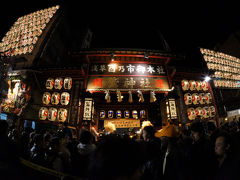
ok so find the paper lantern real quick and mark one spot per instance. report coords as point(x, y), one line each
point(212, 111)
point(205, 85)
point(188, 98)
point(46, 98)
point(67, 83)
point(191, 113)
point(202, 98)
point(142, 114)
point(55, 98)
point(58, 83)
point(199, 85)
point(205, 112)
point(135, 114)
point(52, 114)
point(198, 111)
point(185, 85)
point(110, 114)
point(62, 115)
point(49, 83)
point(126, 114)
point(208, 98)
point(192, 85)
point(102, 114)
point(43, 113)
point(195, 98)
point(65, 98)
point(118, 114)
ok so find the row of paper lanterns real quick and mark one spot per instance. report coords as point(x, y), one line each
point(55, 98)
point(225, 83)
point(221, 61)
point(59, 83)
point(194, 85)
point(125, 114)
point(195, 98)
point(53, 114)
point(220, 67)
point(225, 75)
point(204, 112)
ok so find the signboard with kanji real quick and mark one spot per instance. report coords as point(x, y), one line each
point(123, 123)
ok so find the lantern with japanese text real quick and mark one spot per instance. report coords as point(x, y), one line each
point(135, 114)
point(205, 112)
point(118, 114)
point(126, 114)
point(195, 98)
point(212, 111)
point(142, 114)
point(65, 96)
point(192, 85)
point(199, 85)
point(58, 83)
point(204, 85)
point(102, 114)
point(188, 98)
point(110, 114)
point(46, 98)
point(52, 114)
point(208, 98)
point(43, 113)
point(202, 98)
point(185, 85)
point(49, 83)
point(67, 83)
point(62, 115)
point(191, 113)
point(198, 112)
point(55, 98)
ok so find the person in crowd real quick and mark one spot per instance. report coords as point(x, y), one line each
point(67, 130)
point(227, 165)
point(116, 158)
point(86, 145)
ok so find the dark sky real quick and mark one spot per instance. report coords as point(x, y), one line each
point(183, 24)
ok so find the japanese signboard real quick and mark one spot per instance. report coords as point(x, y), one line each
point(88, 109)
point(123, 123)
point(106, 82)
point(127, 69)
point(173, 110)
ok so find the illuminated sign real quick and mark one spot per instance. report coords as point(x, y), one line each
point(88, 109)
point(123, 123)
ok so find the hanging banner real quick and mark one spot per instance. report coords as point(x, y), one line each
point(100, 82)
point(123, 123)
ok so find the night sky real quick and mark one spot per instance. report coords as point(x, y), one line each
point(140, 24)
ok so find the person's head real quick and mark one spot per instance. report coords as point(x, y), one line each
point(148, 133)
point(3, 128)
point(64, 138)
point(197, 130)
point(211, 127)
point(65, 124)
point(86, 137)
point(54, 144)
point(222, 145)
point(38, 140)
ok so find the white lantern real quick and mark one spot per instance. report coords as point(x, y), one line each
point(187, 98)
point(67, 83)
point(212, 111)
point(134, 114)
point(46, 98)
point(43, 113)
point(208, 98)
point(195, 98)
point(202, 98)
point(118, 114)
point(110, 114)
point(55, 98)
point(204, 85)
point(205, 112)
point(49, 83)
point(102, 114)
point(198, 111)
point(52, 114)
point(58, 83)
point(62, 115)
point(126, 114)
point(191, 113)
point(199, 85)
point(192, 85)
point(65, 97)
point(142, 114)
point(185, 85)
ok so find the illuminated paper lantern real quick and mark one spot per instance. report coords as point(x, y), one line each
point(67, 83)
point(142, 114)
point(46, 98)
point(49, 83)
point(205, 85)
point(185, 85)
point(195, 98)
point(65, 98)
point(212, 111)
point(58, 83)
point(43, 113)
point(192, 85)
point(62, 115)
point(55, 98)
point(188, 98)
point(110, 114)
point(126, 114)
point(118, 114)
point(205, 112)
point(191, 113)
point(52, 114)
point(198, 111)
point(135, 114)
point(208, 98)
point(199, 85)
point(102, 114)
point(202, 98)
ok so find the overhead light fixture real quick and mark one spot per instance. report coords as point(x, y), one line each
point(207, 78)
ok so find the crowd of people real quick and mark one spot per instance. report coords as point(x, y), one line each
point(201, 151)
